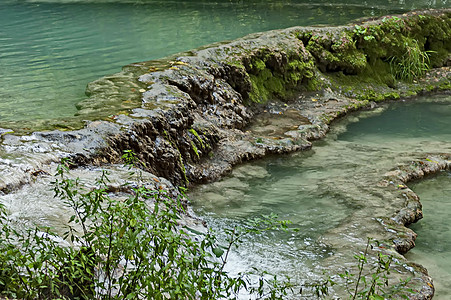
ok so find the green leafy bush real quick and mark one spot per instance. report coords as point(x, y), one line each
point(132, 248)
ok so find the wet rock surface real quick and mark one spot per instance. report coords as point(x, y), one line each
point(411, 212)
point(192, 117)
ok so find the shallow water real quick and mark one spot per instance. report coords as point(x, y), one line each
point(50, 50)
point(276, 186)
point(433, 245)
point(321, 189)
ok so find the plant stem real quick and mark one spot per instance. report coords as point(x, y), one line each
point(361, 264)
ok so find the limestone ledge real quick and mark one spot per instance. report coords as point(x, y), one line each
point(195, 105)
point(411, 210)
point(401, 238)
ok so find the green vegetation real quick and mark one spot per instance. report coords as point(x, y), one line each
point(183, 169)
point(373, 285)
point(371, 281)
point(199, 139)
point(196, 151)
point(381, 60)
point(277, 74)
point(198, 145)
point(412, 65)
point(132, 248)
point(336, 53)
point(363, 31)
point(136, 248)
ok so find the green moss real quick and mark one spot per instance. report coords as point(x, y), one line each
point(182, 166)
point(259, 65)
point(355, 59)
point(337, 53)
point(265, 85)
point(313, 84)
point(363, 62)
point(271, 80)
point(392, 95)
point(235, 63)
point(369, 94)
point(298, 70)
point(430, 88)
point(371, 85)
point(411, 93)
point(378, 72)
point(357, 105)
point(316, 48)
point(201, 141)
point(196, 151)
point(445, 86)
point(438, 52)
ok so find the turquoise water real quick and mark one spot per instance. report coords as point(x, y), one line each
point(404, 120)
point(293, 189)
point(329, 192)
point(50, 50)
point(433, 245)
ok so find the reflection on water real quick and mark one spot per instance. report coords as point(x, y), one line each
point(433, 245)
point(51, 49)
point(326, 187)
point(403, 120)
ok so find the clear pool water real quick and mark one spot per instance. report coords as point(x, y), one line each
point(433, 245)
point(330, 186)
point(50, 50)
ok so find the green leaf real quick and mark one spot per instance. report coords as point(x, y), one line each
point(193, 230)
point(218, 251)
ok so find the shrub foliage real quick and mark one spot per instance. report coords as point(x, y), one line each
point(132, 248)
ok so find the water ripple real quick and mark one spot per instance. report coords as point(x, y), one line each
point(54, 48)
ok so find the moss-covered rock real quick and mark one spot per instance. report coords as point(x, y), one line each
point(336, 51)
point(372, 55)
point(381, 59)
point(218, 86)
